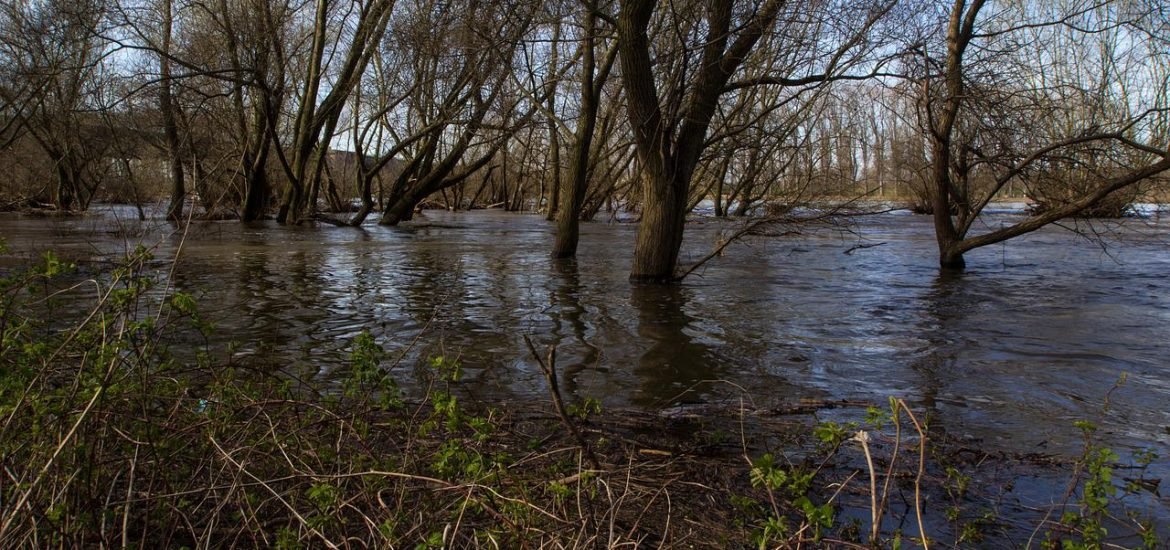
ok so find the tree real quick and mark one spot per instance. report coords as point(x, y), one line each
point(169, 107)
point(254, 36)
point(315, 122)
point(669, 139)
point(55, 66)
point(672, 96)
point(463, 102)
point(554, 123)
point(984, 108)
point(593, 79)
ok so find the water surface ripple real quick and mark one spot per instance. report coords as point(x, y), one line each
point(1028, 340)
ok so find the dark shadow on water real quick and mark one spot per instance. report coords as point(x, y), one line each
point(570, 329)
point(940, 305)
point(677, 367)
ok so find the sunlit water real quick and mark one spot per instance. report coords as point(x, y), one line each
point(1030, 339)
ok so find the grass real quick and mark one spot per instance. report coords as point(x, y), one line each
point(110, 437)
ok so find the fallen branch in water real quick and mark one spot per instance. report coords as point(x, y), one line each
point(861, 247)
point(747, 229)
point(759, 227)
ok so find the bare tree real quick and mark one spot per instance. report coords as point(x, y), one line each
point(316, 121)
point(553, 122)
point(253, 36)
point(54, 65)
point(169, 107)
point(984, 110)
point(459, 111)
point(670, 138)
point(593, 79)
point(672, 96)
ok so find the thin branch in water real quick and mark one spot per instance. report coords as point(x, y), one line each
point(548, 367)
point(862, 246)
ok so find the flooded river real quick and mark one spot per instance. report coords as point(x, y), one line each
point(1030, 339)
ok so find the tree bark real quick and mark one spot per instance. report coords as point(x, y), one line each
point(573, 195)
point(669, 156)
point(170, 121)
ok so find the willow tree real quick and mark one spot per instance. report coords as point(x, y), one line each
point(592, 80)
point(669, 139)
point(316, 119)
point(989, 102)
point(674, 81)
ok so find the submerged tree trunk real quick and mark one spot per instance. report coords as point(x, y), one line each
point(65, 191)
point(401, 210)
point(256, 188)
point(670, 141)
point(573, 195)
point(170, 121)
point(660, 233)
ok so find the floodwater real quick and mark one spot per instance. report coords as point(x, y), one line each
point(1030, 339)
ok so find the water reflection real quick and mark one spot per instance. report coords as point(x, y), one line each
point(1012, 352)
point(570, 330)
point(941, 305)
point(677, 367)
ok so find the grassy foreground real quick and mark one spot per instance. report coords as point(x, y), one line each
point(109, 437)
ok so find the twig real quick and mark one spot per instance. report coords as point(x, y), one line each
point(893, 459)
point(921, 472)
point(862, 247)
point(724, 243)
point(753, 227)
point(126, 507)
point(240, 468)
point(548, 367)
point(875, 515)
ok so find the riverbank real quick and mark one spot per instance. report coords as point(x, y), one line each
point(259, 463)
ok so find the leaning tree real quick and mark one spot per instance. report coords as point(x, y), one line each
point(1003, 101)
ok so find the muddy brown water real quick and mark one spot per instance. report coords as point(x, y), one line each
point(1009, 354)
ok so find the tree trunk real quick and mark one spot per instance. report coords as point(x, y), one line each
point(170, 123)
point(660, 233)
point(554, 132)
point(573, 196)
point(65, 190)
point(944, 225)
point(402, 210)
point(256, 190)
point(257, 187)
